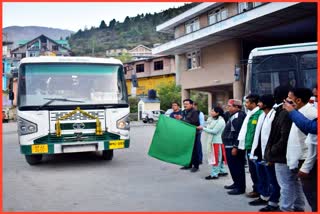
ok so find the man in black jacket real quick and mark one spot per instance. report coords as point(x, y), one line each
point(191, 116)
point(276, 149)
point(235, 156)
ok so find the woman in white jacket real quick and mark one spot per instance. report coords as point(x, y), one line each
point(215, 148)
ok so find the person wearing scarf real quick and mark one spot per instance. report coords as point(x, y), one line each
point(268, 186)
point(215, 148)
point(246, 136)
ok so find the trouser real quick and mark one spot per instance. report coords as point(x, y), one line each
point(268, 186)
point(309, 185)
point(253, 172)
point(263, 187)
point(195, 152)
point(218, 168)
point(292, 198)
point(200, 155)
point(236, 168)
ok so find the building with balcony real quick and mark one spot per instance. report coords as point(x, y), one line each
point(41, 46)
point(212, 40)
point(150, 73)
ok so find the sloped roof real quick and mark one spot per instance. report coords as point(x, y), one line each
point(33, 40)
point(145, 47)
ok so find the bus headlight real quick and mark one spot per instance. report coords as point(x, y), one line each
point(124, 123)
point(26, 127)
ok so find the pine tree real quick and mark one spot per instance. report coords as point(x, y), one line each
point(103, 25)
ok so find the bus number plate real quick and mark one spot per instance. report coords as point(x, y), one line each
point(36, 149)
point(116, 144)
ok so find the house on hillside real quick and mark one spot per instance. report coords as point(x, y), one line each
point(116, 52)
point(6, 63)
point(141, 52)
point(41, 46)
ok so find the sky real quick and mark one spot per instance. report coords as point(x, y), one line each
point(75, 16)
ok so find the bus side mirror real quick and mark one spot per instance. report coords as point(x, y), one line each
point(11, 95)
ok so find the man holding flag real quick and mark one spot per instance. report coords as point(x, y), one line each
point(191, 116)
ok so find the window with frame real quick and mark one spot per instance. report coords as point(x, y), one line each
point(158, 65)
point(245, 6)
point(256, 4)
point(55, 47)
point(217, 15)
point(193, 60)
point(140, 68)
point(192, 25)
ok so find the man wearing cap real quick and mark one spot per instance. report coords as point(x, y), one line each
point(235, 157)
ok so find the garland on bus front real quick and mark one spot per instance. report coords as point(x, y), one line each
point(98, 123)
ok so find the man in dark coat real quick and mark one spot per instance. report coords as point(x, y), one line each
point(191, 116)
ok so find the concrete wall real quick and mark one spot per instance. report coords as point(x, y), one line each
point(217, 66)
point(151, 106)
point(145, 84)
point(203, 18)
point(168, 67)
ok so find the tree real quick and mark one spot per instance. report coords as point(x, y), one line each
point(168, 93)
point(103, 25)
point(133, 102)
point(112, 24)
point(202, 100)
point(124, 57)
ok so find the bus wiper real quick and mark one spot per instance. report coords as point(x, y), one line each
point(51, 100)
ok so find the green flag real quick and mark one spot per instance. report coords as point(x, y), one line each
point(173, 141)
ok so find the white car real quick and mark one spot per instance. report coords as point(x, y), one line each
point(151, 116)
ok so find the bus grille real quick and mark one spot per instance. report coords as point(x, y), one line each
point(77, 116)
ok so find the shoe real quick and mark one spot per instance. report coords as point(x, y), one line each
point(211, 177)
point(270, 208)
point(223, 174)
point(252, 194)
point(194, 169)
point(232, 186)
point(236, 192)
point(186, 167)
point(258, 202)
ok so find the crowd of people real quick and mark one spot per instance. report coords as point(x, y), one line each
point(276, 137)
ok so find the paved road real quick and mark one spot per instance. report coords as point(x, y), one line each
point(132, 181)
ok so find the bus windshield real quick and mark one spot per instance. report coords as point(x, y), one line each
point(87, 84)
point(294, 70)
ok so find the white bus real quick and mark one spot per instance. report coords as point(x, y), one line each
point(269, 67)
point(71, 104)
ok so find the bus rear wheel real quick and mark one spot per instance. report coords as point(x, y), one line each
point(107, 154)
point(33, 159)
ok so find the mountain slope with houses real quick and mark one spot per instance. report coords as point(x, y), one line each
point(17, 33)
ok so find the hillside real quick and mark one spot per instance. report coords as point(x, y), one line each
point(17, 33)
point(140, 29)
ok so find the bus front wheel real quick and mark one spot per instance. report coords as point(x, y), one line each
point(107, 154)
point(33, 159)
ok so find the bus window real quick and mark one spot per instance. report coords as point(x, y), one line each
point(268, 72)
point(308, 66)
